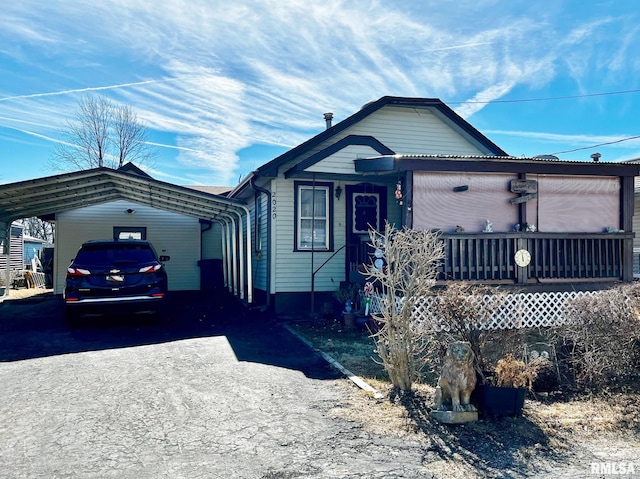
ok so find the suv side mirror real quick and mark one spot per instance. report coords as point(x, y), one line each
point(165, 258)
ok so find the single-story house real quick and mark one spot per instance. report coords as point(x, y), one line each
point(414, 162)
point(297, 228)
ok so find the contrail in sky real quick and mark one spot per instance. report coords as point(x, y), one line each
point(80, 90)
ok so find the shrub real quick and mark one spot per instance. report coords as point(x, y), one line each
point(458, 313)
point(411, 266)
point(601, 341)
point(513, 373)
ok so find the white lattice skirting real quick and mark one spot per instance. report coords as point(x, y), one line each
point(520, 310)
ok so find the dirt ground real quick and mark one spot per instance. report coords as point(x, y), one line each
point(557, 436)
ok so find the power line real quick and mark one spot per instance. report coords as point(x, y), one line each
point(595, 146)
point(553, 98)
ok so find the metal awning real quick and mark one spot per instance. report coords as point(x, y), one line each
point(54, 194)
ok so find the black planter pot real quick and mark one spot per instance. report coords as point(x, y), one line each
point(499, 401)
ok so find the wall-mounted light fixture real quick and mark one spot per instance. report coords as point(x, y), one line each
point(338, 192)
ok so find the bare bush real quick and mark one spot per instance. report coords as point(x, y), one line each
point(411, 267)
point(602, 338)
point(459, 311)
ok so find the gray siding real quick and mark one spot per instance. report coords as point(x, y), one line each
point(16, 250)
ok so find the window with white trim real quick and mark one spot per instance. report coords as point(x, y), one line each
point(313, 215)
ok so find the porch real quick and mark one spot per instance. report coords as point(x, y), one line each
point(555, 257)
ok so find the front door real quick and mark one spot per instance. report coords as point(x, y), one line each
point(366, 208)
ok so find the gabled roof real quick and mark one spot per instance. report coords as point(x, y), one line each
point(446, 113)
point(133, 169)
point(52, 194)
point(337, 146)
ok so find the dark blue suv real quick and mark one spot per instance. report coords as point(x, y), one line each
point(113, 275)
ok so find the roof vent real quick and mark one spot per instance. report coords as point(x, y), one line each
point(328, 117)
point(596, 157)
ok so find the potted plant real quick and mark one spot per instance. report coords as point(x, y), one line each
point(347, 297)
point(506, 397)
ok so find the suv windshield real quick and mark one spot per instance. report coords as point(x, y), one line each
point(108, 255)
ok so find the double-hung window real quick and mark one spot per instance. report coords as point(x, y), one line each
point(313, 216)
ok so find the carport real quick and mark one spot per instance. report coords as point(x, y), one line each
point(53, 194)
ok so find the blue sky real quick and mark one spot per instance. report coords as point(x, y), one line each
point(224, 86)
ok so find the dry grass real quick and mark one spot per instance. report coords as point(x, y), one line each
point(557, 436)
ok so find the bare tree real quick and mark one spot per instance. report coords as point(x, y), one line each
point(411, 267)
point(102, 134)
point(37, 228)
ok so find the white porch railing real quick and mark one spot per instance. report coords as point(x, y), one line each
point(518, 310)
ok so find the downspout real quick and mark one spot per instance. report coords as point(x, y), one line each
point(209, 225)
point(260, 189)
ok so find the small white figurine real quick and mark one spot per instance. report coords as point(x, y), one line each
point(488, 228)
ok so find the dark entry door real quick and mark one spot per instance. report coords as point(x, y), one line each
point(366, 208)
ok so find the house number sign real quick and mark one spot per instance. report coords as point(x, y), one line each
point(274, 205)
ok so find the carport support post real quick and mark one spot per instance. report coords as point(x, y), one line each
point(6, 250)
point(234, 259)
point(225, 266)
point(241, 255)
point(249, 253)
point(230, 279)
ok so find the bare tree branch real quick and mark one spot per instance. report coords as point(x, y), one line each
point(101, 134)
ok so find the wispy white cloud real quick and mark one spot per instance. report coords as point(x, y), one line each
point(83, 90)
point(220, 76)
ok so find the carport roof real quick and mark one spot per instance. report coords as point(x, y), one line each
point(53, 194)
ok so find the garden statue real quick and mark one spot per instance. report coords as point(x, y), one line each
point(488, 228)
point(457, 379)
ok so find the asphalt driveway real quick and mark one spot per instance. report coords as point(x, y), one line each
point(210, 392)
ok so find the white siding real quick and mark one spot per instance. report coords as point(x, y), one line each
point(413, 131)
point(409, 131)
point(212, 242)
point(342, 161)
point(293, 268)
point(403, 130)
point(172, 234)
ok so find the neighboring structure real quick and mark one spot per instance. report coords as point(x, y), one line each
point(13, 261)
point(32, 249)
point(414, 162)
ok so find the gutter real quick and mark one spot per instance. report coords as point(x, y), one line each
point(260, 189)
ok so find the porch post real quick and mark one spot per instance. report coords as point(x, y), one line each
point(522, 273)
point(408, 204)
point(627, 203)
